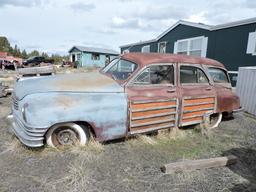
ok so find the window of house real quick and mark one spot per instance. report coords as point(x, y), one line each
point(218, 75)
point(162, 47)
point(156, 74)
point(126, 51)
point(95, 56)
point(190, 74)
point(78, 57)
point(193, 46)
point(251, 45)
point(145, 49)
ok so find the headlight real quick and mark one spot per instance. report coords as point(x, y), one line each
point(23, 111)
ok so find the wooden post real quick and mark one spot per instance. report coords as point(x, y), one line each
point(198, 164)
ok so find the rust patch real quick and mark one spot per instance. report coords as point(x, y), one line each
point(202, 100)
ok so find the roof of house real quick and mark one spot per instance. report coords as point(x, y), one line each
point(95, 50)
point(151, 58)
point(197, 25)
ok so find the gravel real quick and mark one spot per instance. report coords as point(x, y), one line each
point(132, 164)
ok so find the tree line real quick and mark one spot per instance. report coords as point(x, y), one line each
point(15, 51)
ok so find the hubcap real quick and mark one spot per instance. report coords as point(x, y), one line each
point(67, 137)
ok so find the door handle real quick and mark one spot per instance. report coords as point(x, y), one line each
point(171, 90)
point(208, 89)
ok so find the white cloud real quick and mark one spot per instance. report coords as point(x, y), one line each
point(79, 6)
point(20, 3)
point(107, 23)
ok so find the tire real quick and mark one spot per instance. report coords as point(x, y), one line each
point(67, 134)
point(213, 121)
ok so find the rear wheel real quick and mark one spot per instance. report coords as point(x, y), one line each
point(213, 121)
point(67, 134)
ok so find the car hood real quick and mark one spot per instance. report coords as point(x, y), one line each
point(77, 82)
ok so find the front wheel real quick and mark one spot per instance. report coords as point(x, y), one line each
point(67, 134)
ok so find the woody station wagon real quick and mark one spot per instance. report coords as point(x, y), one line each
point(136, 93)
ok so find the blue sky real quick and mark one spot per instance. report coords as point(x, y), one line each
point(54, 26)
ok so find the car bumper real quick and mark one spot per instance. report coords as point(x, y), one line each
point(31, 137)
point(240, 110)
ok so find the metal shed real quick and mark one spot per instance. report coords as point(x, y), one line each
point(246, 88)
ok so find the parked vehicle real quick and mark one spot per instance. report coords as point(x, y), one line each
point(136, 93)
point(36, 60)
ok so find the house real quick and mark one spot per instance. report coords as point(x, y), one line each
point(233, 44)
point(91, 57)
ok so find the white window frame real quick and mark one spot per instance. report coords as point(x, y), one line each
point(126, 51)
point(145, 49)
point(203, 46)
point(251, 45)
point(165, 42)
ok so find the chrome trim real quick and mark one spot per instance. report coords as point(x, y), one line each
point(28, 136)
point(240, 110)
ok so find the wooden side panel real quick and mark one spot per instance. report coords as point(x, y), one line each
point(152, 115)
point(194, 109)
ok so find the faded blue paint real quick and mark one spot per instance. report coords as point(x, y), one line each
point(93, 82)
point(49, 104)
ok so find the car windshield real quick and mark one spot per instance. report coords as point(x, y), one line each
point(218, 75)
point(120, 69)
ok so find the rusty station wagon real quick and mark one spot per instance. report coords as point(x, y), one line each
point(136, 93)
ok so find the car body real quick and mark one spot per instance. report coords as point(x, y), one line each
point(36, 60)
point(136, 93)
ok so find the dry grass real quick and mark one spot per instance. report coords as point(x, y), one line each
point(93, 147)
point(13, 146)
point(172, 134)
point(147, 139)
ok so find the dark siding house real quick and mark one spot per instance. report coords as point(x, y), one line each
point(233, 44)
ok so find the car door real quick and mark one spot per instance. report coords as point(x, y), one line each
point(198, 95)
point(152, 99)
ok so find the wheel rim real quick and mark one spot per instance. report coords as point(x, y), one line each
point(64, 136)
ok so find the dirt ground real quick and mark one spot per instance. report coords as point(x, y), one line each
point(131, 164)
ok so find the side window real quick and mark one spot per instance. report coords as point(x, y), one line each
point(218, 75)
point(156, 74)
point(190, 74)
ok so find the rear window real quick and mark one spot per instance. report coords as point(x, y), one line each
point(218, 75)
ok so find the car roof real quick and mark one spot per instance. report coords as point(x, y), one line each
point(143, 59)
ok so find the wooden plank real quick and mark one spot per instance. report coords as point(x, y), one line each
point(148, 120)
point(198, 107)
point(191, 114)
point(198, 164)
point(192, 119)
point(153, 112)
point(152, 105)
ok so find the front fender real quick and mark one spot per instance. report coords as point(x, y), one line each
point(105, 112)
